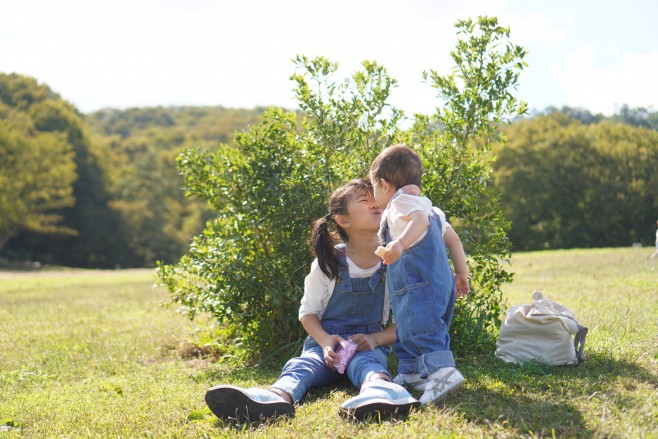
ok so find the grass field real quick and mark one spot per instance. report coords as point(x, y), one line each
point(92, 354)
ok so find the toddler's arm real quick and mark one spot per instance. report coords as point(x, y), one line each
point(458, 257)
point(418, 221)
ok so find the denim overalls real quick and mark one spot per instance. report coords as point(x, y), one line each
point(356, 306)
point(422, 290)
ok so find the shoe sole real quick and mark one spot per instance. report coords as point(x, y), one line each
point(381, 406)
point(229, 402)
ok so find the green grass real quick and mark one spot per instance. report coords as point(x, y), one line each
point(92, 354)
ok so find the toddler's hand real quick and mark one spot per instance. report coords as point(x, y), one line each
point(461, 285)
point(394, 250)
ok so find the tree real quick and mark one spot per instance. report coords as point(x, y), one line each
point(95, 241)
point(87, 236)
point(138, 149)
point(247, 267)
point(640, 117)
point(37, 172)
point(565, 184)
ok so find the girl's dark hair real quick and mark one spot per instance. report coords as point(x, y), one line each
point(399, 165)
point(325, 233)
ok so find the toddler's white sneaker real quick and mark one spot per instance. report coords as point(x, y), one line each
point(435, 386)
point(439, 383)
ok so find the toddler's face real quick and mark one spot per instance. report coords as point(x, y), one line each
point(383, 192)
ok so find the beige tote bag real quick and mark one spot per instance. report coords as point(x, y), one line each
point(545, 332)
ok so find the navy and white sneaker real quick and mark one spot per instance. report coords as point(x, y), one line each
point(379, 396)
point(252, 404)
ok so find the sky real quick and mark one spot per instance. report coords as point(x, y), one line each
point(593, 54)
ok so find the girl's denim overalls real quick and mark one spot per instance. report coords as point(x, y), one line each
point(356, 306)
point(422, 290)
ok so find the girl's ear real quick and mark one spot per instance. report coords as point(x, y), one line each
point(342, 221)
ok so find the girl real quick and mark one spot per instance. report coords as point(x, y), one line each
point(344, 298)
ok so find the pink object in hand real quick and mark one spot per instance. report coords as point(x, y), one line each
point(345, 350)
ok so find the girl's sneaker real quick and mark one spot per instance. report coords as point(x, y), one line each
point(435, 386)
point(379, 396)
point(252, 404)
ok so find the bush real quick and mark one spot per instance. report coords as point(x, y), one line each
point(248, 266)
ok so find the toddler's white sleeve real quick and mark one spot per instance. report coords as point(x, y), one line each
point(442, 217)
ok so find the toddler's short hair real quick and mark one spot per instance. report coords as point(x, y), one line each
point(399, 165)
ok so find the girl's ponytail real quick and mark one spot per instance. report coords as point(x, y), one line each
point(322, 244)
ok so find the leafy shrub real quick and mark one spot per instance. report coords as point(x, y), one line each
point(248, 266)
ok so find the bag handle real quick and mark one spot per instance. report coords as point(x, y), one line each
point(579, 342)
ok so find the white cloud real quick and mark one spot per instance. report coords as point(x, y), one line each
point(122, 53)
point(146, 52)
point(604, 89)
point(535, 28)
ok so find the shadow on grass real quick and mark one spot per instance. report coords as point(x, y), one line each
point(244, 425)
point(545, 400)
point(540, 418)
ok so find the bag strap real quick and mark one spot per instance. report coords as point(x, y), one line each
point(579, 342)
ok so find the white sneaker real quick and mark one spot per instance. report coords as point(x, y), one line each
point(379, 396)
point(252, 404)
point(439, 383)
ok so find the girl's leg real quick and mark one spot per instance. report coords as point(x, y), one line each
point(302, 373)
point(366, 365)
point(298, 376)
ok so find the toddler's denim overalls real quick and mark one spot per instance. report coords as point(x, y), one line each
point(356, 306)
point(422, 290)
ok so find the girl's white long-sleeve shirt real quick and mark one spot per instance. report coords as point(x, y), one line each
point(318, 289)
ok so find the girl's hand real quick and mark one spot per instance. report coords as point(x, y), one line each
point(461, 285)
point(328, 345)
point(394, 250)
point(365, 342)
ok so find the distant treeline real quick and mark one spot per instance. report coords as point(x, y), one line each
point(569, 179)
point(102, 189)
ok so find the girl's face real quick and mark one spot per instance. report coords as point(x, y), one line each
point(363, 212)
